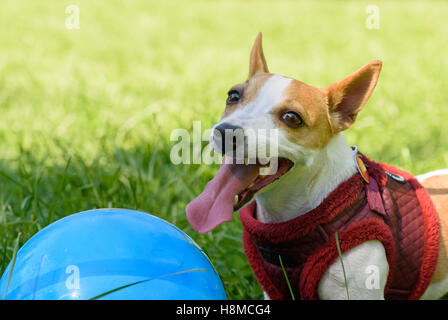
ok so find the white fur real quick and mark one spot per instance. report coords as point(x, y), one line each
point(315, 174)
point(425, 176)
point(257, 122)
point(436, 290)
point(257, 113)
point(358, 265)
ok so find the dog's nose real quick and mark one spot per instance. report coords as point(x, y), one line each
point(227, 137)
point(221, 128)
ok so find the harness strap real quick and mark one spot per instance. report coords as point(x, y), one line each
point(374, 198)
point(272, 256)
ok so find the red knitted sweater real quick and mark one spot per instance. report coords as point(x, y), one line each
point(393, 208)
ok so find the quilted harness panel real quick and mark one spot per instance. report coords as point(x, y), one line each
point(392, 208)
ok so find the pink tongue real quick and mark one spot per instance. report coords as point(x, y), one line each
point(215, 204)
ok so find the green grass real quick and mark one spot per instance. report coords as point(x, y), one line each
point(86, 115)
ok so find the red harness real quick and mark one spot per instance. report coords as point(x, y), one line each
point(392, 207)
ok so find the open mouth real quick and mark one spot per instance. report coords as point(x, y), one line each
point(261, 181)
point(233, 186)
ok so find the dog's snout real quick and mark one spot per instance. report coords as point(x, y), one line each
point(227, 137)
point(221, 128)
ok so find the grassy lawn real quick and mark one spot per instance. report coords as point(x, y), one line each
point(86, 115)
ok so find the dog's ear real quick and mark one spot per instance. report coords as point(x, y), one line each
point(347, 96)
point(257, 60)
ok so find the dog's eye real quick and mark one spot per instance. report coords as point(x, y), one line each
point(233, 96)
point(292, 119)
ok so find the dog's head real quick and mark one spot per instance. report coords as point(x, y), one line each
point(285, 121)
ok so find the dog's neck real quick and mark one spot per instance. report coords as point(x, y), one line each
point(305, 187)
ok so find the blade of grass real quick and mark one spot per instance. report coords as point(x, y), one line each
point(4, 252)
point(342, 263)
point(286, 278)
point(59, 190)
point(7, 176)
point(142, 281)
point(13, 262)
point(29, 190)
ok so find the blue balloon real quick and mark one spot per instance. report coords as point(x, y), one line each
point(111, 254)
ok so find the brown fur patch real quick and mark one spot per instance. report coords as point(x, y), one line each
point(250, 89)
point(437, 187)
point(347, 96)
point(311, 104)
point(257, 59)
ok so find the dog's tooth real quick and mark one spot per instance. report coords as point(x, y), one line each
point(235, 200)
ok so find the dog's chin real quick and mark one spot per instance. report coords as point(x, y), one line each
point(262, 182)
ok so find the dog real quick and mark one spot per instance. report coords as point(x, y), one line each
point(315, 175)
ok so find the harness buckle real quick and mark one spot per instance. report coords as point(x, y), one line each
point(360, 166)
